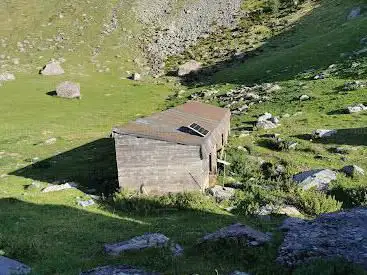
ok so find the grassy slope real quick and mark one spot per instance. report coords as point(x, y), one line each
point(54, 236)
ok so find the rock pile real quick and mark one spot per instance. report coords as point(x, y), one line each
point(341, 234)
point(68, 89)
point(177, 31)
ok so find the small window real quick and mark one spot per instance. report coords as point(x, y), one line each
point(210, 163)
point(222, 139)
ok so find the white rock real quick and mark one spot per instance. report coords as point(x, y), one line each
point(322, 133)
point(52, 68)
point(188, 67)
point(304, 97)
point(55, 188)
point(68, 89)
point(319, 179)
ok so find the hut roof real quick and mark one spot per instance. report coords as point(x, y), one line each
point(173, 124)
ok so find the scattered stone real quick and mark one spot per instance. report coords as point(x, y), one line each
point(52, 68)
point(341, 150)
point(188, 67)
point(354, 13)
point(6, 77)
point(322, 133)
point(86, 203)
point(356, 108)
point(117, 270)
point(354, 85)
point(304, 98)
point(319, 76)
point(68, 89)
point(267, 121)
point(353, 171)
point(319, 179)
point(239, 273)
point(50, 141)
point(11, 267)
point(221, 193)
point(55, 188)
point(340, 234)
point(238, 231)
point(137, 243)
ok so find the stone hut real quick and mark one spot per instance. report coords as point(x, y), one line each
point(172, 151)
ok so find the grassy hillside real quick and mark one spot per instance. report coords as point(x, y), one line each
point(53, 235)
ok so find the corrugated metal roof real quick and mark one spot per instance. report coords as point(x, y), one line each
point(170, 125)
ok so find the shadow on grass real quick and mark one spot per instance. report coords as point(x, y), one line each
point(92, 166)
point(56, 239)
point(51, 93)
point(337, 112)
point(349, 136)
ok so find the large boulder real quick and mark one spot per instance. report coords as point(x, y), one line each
point(68, 89)
point(221, 193)
point(352, 171)
point(354, 13)
point(188, 67)
point(341, 234)
point(267, 121)
point(138, 243)
point(117, 270)
point(6, 77)
point(323, 133)
point(52, 68)
point(318, 179)
point(238, 231)
point(11, 267)
point(356, 108)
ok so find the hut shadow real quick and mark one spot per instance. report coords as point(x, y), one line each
point(92, 166)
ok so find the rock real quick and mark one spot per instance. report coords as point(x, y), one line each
point(86, 203)
point(340, 234)
point(264, 117)
point(221, 193)
point(52, 68)
point(136, 76)
point(188, 67)
point(319, 179)
point(7, 77)
point(266, 125)
point(304, 97)
point(322, 133)
point(11, 267)
point(239, 273)
point(177, 250)
point(137, 243)
point(280, 210)
point(238, 231)
point(354, 13)
point(68, 89)
point(353, 171)
point(354, 85)
point(50, 141)
point(289, 210)
point(356, 108)
point(55, 188)
point(341, 150)
point(117, 270)
point(290, 222)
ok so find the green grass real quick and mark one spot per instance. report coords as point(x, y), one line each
point(53, 235)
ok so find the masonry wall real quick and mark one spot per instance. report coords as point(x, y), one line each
point(157, 167)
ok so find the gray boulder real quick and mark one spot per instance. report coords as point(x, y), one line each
point(353, 171)
point(319, 179)
point(188, 67)
point(68, 89)
point(323, 133)
point(304, 97)
point(6, 77)
point(354, 13)
point(12, 267)
point(267, 121)
point(117, 270)
point(238, 231)
point(221, 193)
point(340, 234)
point(137, 243)
point(52, 68)
point(356, 108)
point(59, 187)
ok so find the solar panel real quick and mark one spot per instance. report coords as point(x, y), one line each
point(198, 129)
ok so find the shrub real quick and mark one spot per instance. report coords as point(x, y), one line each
point(313, 202)
point(351, 197)
point(240, 166)
point(143, 204)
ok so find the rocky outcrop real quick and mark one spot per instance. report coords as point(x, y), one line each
point(238, 231)
point(11, 267)
point(318, 179)
point(68, 89)
point(341, 234)
point(117, 270)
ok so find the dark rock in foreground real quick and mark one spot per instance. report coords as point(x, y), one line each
point(238, 231)
point(340, 234)
point(117, 270)
point(11, 267)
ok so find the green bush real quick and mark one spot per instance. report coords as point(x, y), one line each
point(143, 204)
point(313, 202)
point(351, 196)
